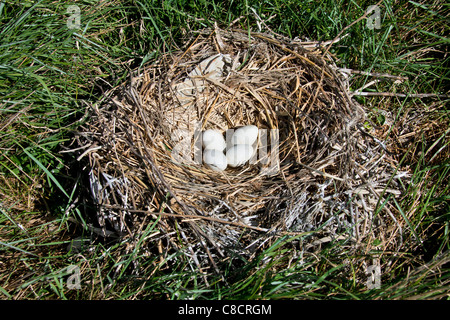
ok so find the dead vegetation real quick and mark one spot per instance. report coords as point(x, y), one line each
point(328, 178)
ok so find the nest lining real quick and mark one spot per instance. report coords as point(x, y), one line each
point(326, 174)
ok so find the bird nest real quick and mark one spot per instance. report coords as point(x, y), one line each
point(316, 171)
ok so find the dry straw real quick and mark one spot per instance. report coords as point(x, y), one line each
point(328, 179)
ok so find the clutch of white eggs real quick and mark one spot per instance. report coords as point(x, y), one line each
point(239, 152)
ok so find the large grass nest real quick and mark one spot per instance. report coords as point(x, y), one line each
point(321, 176)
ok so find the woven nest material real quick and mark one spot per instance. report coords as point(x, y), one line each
point(317, 171)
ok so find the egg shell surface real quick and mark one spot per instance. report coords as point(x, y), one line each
point(215, 159)
point(239, 154)
point(213, 139)
point(245, 135)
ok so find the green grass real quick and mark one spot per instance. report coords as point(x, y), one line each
point(48, 72)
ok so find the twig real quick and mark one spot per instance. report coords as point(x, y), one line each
point(400, 95)
point(351, 24)
point(284, 48)
point(320, 172)
point(188, 216)
point(374, 74)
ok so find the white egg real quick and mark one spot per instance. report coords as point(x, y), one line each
point(239, 154)
point(213, 139)
point(215, 159)
point(245, 135)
